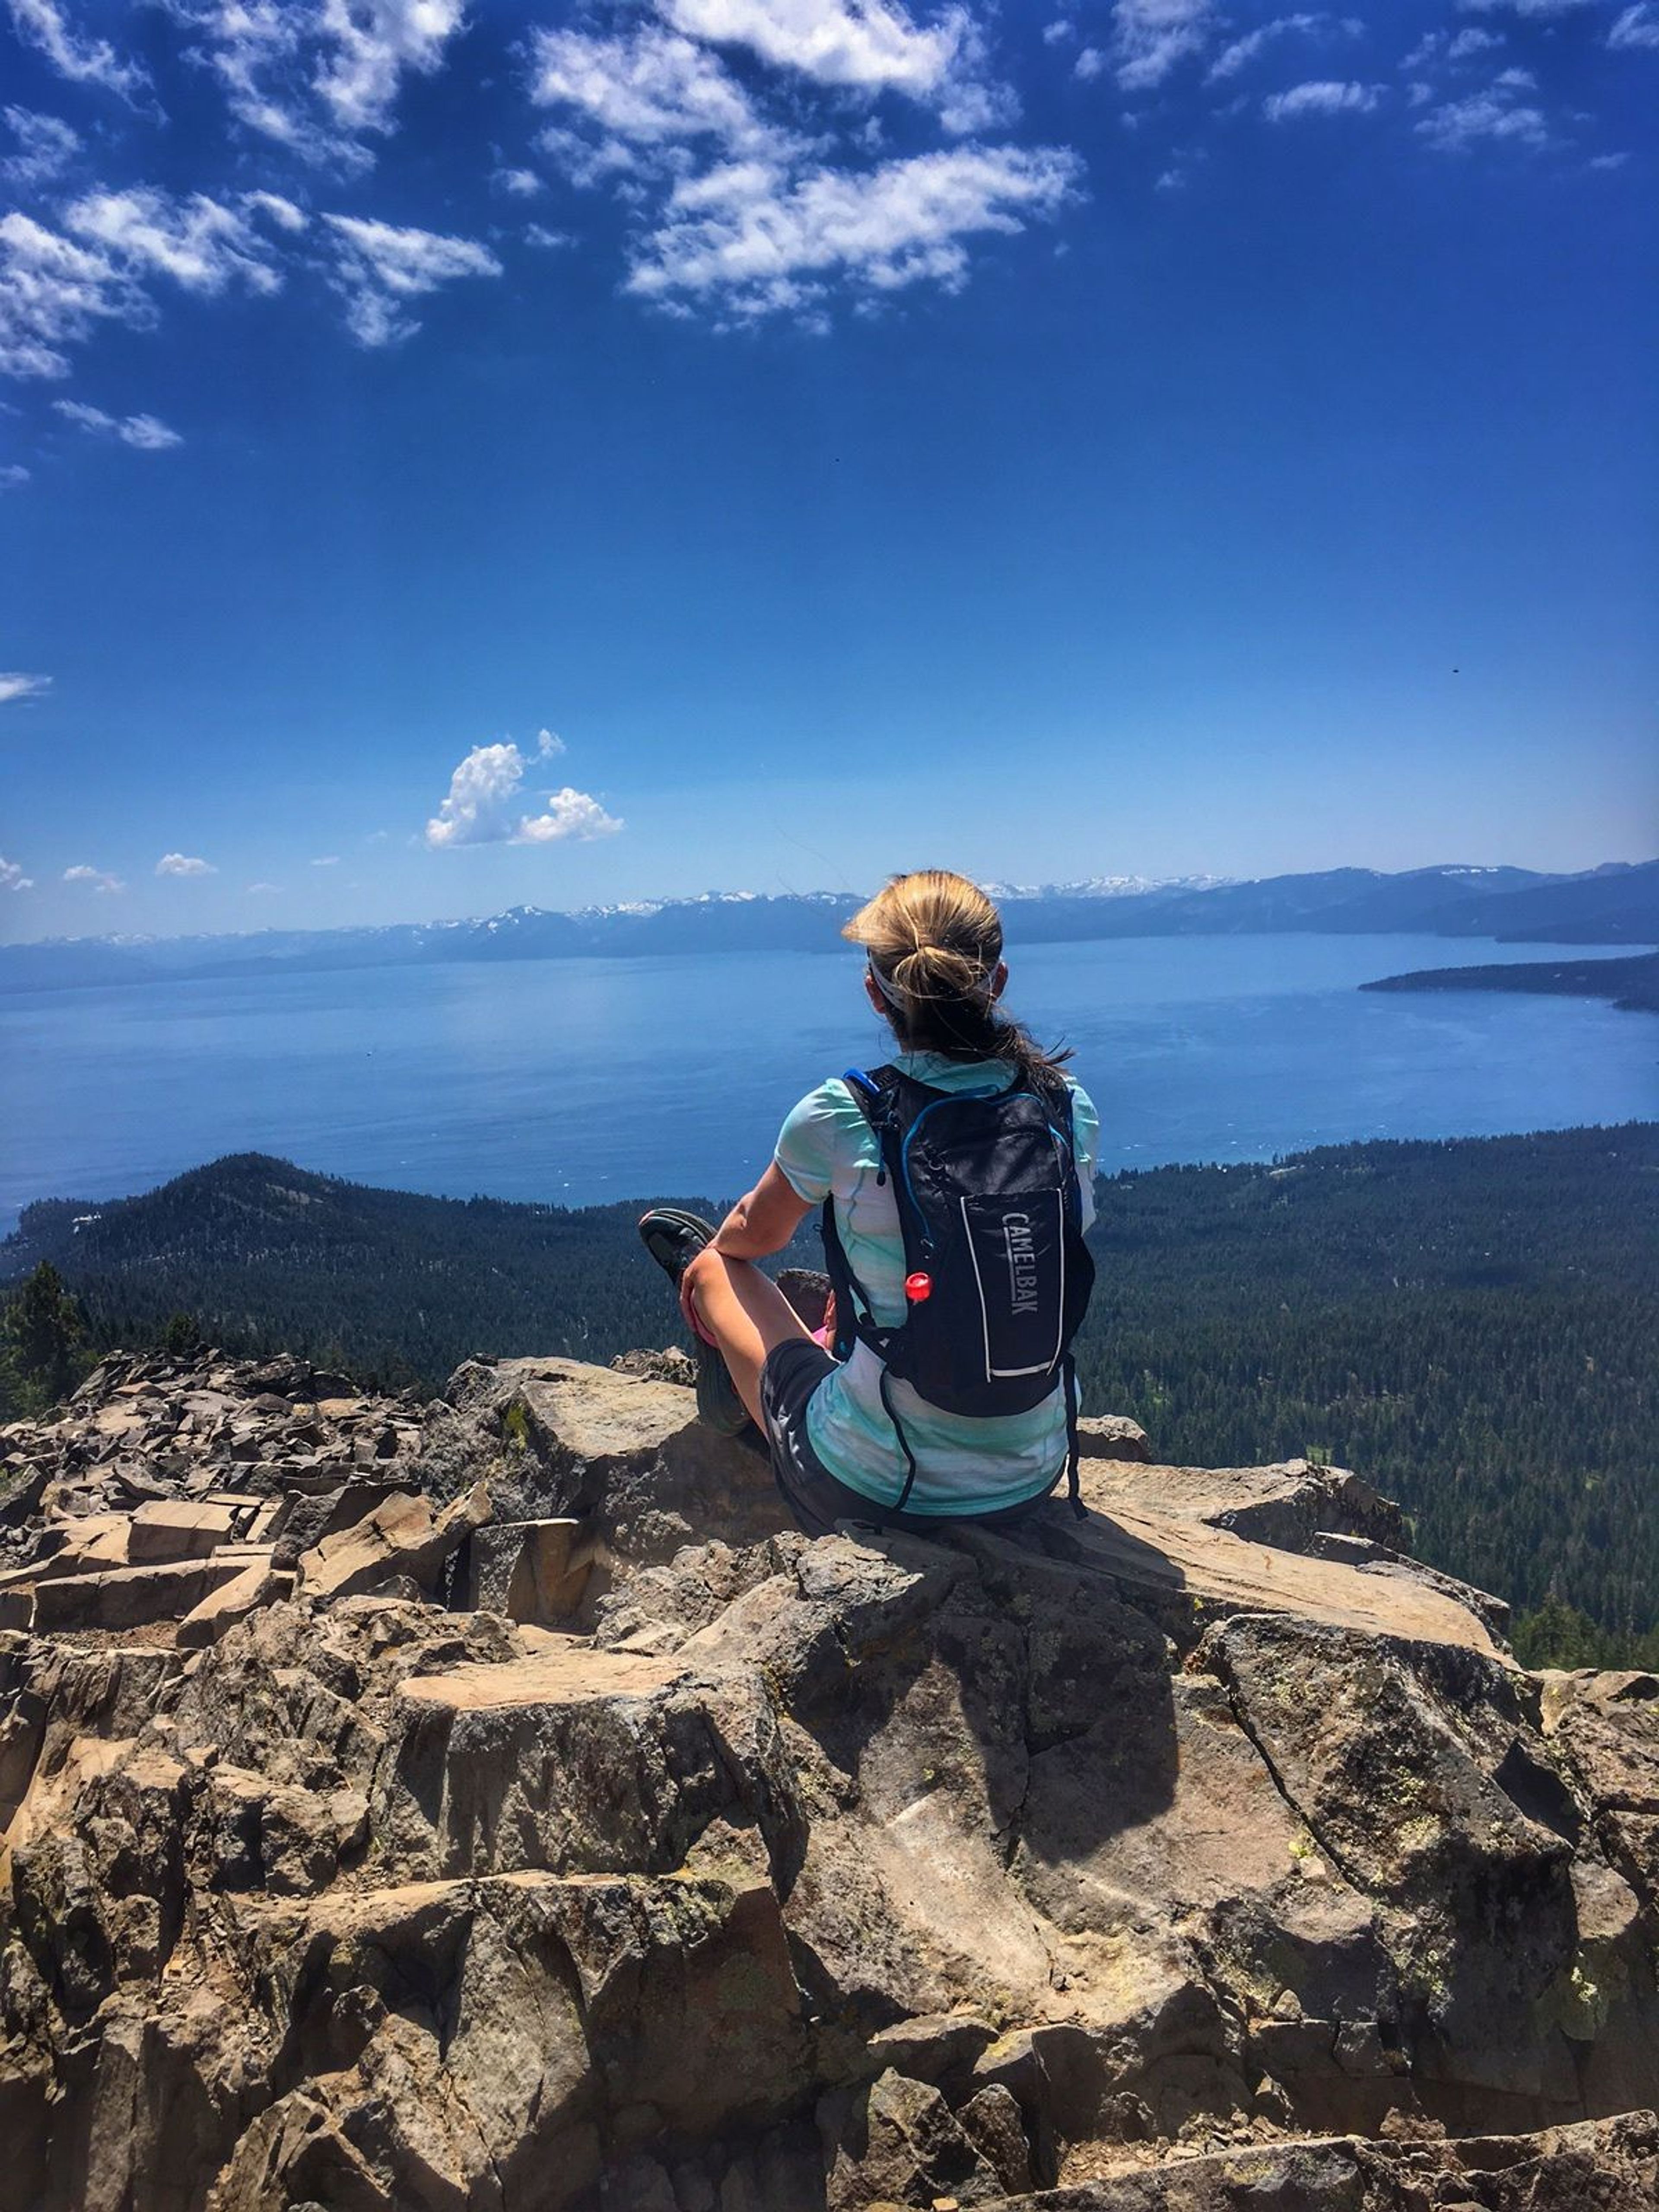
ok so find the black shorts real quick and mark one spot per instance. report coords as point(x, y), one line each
point(818, 1498)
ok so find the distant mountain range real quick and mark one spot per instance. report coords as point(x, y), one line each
point(1615, 905)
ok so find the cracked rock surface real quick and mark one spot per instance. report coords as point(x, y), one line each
point(496, 1806)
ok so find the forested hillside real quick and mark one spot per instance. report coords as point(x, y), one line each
point(1471, 1324)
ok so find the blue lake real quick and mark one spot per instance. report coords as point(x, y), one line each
point(576, 1081)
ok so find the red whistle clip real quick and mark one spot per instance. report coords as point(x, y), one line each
point(918, 1287)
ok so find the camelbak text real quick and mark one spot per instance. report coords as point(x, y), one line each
point(1022, 1262)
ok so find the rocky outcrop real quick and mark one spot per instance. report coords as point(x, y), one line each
point(524, 1816)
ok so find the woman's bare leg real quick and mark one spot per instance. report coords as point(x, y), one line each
point(747, 1316)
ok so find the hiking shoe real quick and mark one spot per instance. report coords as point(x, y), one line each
point(673, 1239)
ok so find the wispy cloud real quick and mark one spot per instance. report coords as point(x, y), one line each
point(200, 243)
point(1322, 96)
point(183, 864)
point(52, 294)
point(97, 880)
point(326, 860)
point(144, 432)
point(45, 147)
point(1493, 117)
point(646, 94)
point(1243, 51)
point(13, 475)
point(16, 686)
point(262, 890)
point(321, 80)
point(762, 243)
point(45, 25)
point(12, 878)
point(1636, 27)
point(1152, 37)
point(486, 806)
point(378, 269)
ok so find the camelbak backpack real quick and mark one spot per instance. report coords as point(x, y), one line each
point(997, 1274)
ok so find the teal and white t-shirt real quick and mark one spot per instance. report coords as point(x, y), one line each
point(826, 1149)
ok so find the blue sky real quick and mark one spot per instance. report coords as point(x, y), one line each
point(455, 455)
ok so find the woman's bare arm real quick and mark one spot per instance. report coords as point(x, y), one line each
point(764, 1221)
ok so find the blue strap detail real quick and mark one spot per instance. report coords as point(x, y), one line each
point(860, 1081)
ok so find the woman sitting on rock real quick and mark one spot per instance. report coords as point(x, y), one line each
point(956, 1184)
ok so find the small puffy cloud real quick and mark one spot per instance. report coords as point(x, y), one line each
point(486, 806)
point(1608, 160)
point(12, 878)
point(521, 183)
point(326, 860)
point(16, 685)
point(1473, 41)
point(380, 268)
point(1515, 80)
point(1493, 117)
point(1322, 97)
point(1152, 37)
point(1089, 64)
point(144, 432)
point(761, 243)
point(13, 475)
point(43, 25)
point(183, 864)
point(262, 890)
point(45, 147)
point(97, 880)
point(1057, 33)
point(548, 745)
point(1637, 27)
point(545, 240)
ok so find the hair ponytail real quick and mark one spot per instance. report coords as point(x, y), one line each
point(934, 941)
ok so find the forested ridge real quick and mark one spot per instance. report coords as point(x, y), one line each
point(1471, 1324)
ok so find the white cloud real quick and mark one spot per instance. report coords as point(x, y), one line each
point(1515, 80)
point(262, 890)
point(1473, 41)
point(864, 45)
point(655, 90)
point(13, 477)
point(370, 45)
point(522, 183)
point(547, 746)
point(326, 860)
point(380, 268)
point(1608, 160)
point(1243, 51)
point(199, 243)
point(1533, 8)
point(52, 292)
point(1636, 27)
point(183, 864)
point(1151, 37)
point(1458, 125)
point(485, 807)
point(16, 685)
point(547, 241)
point(764, 243)
point(12, 878)
point(97, 879)
point(318, 75)
point(45, 147)
point(44, 25)
point(1322, 97)
point(1058, 32)
point(1089, 64)
point(142, 431)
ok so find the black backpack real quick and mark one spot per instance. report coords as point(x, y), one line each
point(998, 1276)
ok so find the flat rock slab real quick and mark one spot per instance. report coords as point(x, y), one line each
point(1184, 1560)
point(129, 1597)
point(164, 1529)
point(567, 1674)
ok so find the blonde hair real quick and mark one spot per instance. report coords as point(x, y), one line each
point(934, 941)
